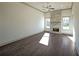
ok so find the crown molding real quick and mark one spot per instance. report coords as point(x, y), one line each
point(42, 11)
point(60, 9)
point(32, 7)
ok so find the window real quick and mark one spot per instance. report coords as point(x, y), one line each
point(66, 23)
point(48, 23)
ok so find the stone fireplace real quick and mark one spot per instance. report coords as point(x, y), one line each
point(55, 22)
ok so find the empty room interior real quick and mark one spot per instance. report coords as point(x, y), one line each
point(39, 28)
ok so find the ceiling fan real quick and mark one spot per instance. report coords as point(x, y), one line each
point(47, 7)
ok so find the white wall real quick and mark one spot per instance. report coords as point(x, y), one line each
point(75, 11)
point(18, 21)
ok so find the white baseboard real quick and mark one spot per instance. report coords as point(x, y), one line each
point(61, 33)
point(8, 42)
point(5, 43)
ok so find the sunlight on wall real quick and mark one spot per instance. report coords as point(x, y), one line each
point(73, 37)
point(73, 40)
point(45, 39)
point(74, 34)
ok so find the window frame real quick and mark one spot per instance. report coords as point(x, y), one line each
point(64, 23)
point(47, 22)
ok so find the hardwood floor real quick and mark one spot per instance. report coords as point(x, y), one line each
point(59, 45)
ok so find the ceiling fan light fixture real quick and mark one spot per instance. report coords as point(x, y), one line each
point(48, 7)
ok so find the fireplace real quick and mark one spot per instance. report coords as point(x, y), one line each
point(56, 29)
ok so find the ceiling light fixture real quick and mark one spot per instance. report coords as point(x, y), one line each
point(47, 7)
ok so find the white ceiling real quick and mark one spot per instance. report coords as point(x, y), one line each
point(55, 5)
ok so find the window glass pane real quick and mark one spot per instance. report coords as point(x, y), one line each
point(66, 23)
point(48, 23)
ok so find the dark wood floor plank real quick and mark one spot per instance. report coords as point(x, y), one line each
point(59, 45)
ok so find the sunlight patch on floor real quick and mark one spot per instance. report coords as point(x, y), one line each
point(45, 39)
